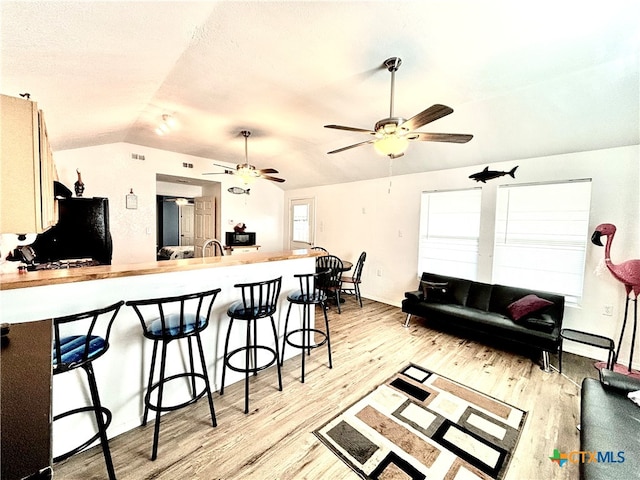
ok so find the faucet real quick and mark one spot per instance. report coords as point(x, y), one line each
point(215, 242)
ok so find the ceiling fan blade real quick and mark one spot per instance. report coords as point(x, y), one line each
point(440, 137)
point(350, 129)
point(273, 179)
point(267, 170)
point(434, 112)
point(352, 146)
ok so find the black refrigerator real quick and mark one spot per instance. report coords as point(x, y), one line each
point(82, 231)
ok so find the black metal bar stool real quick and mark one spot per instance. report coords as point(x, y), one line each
point(308, 295)
point(259, 300)
point(164, 320)
point(80, 339)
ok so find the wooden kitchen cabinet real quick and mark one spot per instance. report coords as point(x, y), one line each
point(27, 171)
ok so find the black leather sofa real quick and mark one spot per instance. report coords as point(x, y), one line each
point(609, 426)
point(481, 308)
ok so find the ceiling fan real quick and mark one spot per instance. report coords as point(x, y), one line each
point(392, 134)
point(247, 172)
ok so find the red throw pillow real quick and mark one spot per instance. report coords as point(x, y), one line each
point(526, 306)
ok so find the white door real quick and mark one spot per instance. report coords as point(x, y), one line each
point(204, 224)
point(186, 224)
point(301, 223)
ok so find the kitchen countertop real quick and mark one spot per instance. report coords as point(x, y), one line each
point(9, 281)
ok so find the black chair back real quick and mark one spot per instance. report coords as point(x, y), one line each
point(174, 317)
point(320, 249)
point(310, 283)
point(357, 272)
point(82, 337)
point(258, 299)
point(333, 278)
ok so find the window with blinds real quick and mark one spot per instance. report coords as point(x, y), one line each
point(449, 232)
point(541, 236)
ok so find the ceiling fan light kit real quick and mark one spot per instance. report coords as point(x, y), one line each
point(248, 173)
point(392, 145)
point(394, 133)
point(168, 123)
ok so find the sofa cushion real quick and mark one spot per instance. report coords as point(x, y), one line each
point(479, 296)
point(527, 306)
point(544, 323)
point(434, 291)
point(458, 288)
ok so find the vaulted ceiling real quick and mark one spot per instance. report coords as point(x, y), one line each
point(527, 79)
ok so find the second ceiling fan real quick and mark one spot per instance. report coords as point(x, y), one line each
point(246, 171)
point(392, 134)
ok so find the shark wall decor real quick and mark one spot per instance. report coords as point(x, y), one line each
point(238, 190)
point(487, 174)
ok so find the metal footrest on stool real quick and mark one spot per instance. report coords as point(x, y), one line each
point(106, 413)
point(169, 408)
point(303, 345)
point(253, 350)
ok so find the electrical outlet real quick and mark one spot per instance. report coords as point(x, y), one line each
point(607, 310)
point(379, 272)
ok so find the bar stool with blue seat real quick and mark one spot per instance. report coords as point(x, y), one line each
point(79, 340)
point(259, 301)
point(164, 320)
point(309, 294)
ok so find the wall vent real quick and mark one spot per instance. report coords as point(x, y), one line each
point(137, 156)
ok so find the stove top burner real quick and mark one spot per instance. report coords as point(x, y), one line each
point(64, 264)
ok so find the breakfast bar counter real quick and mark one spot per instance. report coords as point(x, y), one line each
point(9, 281)
point(121, 373)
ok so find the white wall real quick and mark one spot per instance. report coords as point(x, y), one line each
point(359, 216)
point(109, 171)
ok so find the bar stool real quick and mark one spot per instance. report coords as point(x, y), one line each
point(80, 339)
point(259, 300)
point(164, 320)
point(308, 295)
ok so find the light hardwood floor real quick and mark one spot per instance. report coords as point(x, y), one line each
point(275, 440)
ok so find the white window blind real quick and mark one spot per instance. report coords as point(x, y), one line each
point(541, 236)
point(449, 231)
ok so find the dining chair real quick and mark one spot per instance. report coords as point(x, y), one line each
point(351, 284)
point(331, 282)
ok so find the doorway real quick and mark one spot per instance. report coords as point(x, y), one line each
point(177, 218)
point(301, 223)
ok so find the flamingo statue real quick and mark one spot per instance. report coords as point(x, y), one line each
point(626, 272)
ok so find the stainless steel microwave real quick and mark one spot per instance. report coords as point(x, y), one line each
point(236, 239)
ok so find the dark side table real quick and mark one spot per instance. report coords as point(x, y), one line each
point(587, 339)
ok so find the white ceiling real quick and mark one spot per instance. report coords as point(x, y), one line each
point(527, 79)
